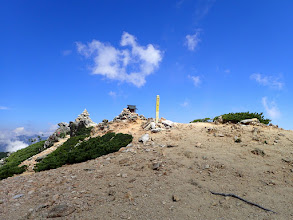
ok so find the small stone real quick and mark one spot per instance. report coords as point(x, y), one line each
point(204, 157)
point(60, 211)
point(207, 166)
point(221, 135)
point(175, 198)
point(156, 165)
point(156, 130)
point(198, 145)
point(111, 193)
point(124, 175)
point(188, 154)
point(18, 196)
point(237, 139)
point(257, 151)
point(172, 145)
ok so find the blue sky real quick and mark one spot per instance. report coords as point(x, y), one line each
point(204, 58)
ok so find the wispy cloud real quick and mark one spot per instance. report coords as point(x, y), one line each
point(202, 8)
point(270, 81)
point(112, 94)
point(227, 71)
point(66, 52)
point(271, 108)
point(185, 104)
point(4, 108)
point(132, 66)
point(192, 41)
point(195, 79)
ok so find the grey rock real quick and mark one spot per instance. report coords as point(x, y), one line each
point(18, 196)
point(257, 151)
point(156, 130)
point(144, 138)
point(249, 121)
point(175, 198)
point(156, 165)
point(60, 211)
point(237, 139)
point(167, 123)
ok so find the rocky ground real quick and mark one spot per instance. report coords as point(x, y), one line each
point(170, 176)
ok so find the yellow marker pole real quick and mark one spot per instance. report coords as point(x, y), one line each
point(157, 108)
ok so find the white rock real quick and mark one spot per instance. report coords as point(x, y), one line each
point(144, 138)
point(168, 123)
point(248, 121)
point(153, 125)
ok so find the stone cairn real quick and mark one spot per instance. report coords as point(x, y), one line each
point(82, 121)
point(126, 114)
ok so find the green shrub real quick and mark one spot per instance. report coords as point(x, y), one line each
point(3, 154)
point(11, 165)
point(201, 120)
point(74, 151)
point(239, 116)
point(84, 131)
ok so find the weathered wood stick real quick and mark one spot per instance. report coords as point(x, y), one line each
point(237, 197)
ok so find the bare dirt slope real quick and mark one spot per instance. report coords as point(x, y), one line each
point(170, 177)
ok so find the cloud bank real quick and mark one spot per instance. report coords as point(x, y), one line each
point(131, 65)
point(270, 81)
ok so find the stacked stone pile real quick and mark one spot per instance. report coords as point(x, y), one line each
point(127, 115)
point(82, 121)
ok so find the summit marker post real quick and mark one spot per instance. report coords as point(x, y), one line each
point(157, 108)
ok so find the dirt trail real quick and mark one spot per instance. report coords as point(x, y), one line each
point(31, 162)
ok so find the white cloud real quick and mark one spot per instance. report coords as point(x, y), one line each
point(3, 108)
point(192, 40)
point(195, 79)
point(124, 65)
point(271, 108)
point(13, 146)
point(11, 140)
point(227, 71)
point(270, 81)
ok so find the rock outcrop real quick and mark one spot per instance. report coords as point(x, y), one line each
point(61, 132)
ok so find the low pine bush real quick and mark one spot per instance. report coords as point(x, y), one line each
point(75, 150)
point(11, 165)
point(201, 120)
point(3, 154)
point(239, 116)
